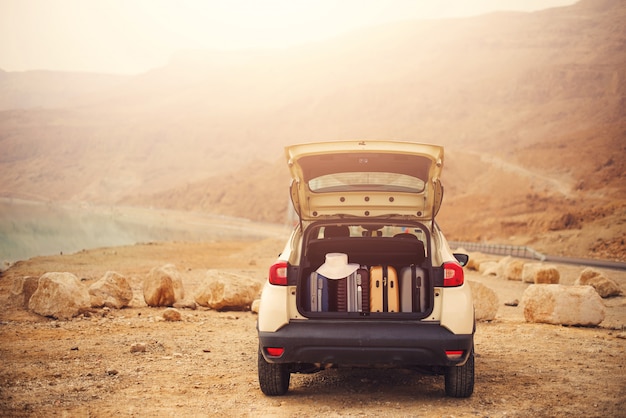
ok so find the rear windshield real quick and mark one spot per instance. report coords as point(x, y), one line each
point(359, 171)
point(355, 181)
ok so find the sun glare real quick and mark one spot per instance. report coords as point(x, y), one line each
point(131, 36)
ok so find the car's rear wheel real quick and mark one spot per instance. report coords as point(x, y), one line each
point(460, 379)
point(273, 378)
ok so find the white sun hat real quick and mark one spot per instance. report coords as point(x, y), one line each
point(336, 266)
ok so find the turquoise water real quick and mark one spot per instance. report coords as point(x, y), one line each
point(29, 229)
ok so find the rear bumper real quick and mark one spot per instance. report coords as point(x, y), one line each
point(366, 343)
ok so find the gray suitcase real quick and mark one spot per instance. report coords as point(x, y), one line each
point(353, 292)
point(318, 292)
point(413, 289)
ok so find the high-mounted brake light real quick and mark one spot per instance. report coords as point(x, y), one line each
point(453, 275)
point(278, 273)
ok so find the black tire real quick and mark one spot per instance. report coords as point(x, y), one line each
point(273, 378)
point(460, 379)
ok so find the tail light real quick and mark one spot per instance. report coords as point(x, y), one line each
point(274, 351)
point(455, 354)
point(453, 275)
point(278, 273)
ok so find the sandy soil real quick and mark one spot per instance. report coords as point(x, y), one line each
point(206, 364)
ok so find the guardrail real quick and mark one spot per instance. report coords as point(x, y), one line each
point(527, 252)
point(499, 249)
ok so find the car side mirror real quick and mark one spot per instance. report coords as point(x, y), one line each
point(463, 259)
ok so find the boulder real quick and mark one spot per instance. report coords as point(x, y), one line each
point(485, 301)
point(488, 268)
point(59, 295)
point(5, 265)
point(563, 305)
point(502, 263)
point(23, 289)
point(163, 286)
point(474, 260)
point(513, 270)
point(255, 306)
point(186, 304)
point(587, 274)
point(172, 314)
point(603, 285)
point(138, 348)
point(112, 291)
point(539, 273)
point(477, 259)
point(228, 291)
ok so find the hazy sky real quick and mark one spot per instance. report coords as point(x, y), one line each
point(133, 36)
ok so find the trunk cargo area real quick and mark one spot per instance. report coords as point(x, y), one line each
point(393, 280)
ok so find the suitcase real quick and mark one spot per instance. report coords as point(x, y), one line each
point(413, 289)
point(318, 292)
point(384, 296)
point(353, 292)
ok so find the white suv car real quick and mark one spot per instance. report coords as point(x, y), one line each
point(367, 277)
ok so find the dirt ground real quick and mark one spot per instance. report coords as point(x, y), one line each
point(205, 365)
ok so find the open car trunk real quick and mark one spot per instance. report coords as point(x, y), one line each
point(395, 278)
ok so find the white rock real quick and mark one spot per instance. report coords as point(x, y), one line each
point(186, 304)
point(228, 291)
point(163, 286)
point(539, 273)
point(255, 306)
point(486, 301)
point(23, 289)
point(474, 261)
point(112, 291)
point(563, 305)
point(59, 295)
point(5, 265)
point(513, 270)
point(488, 268)
point(603, 285)
point(502, 263)
point(477, 260)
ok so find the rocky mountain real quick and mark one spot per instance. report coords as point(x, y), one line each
point(530, 108)
point(51, 89)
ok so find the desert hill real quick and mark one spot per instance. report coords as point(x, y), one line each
point(530, 108)
point(46, 89)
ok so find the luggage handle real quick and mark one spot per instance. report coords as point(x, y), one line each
point(416, 289)
point(418, 282)
point(359, 293)
point(385, 289)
